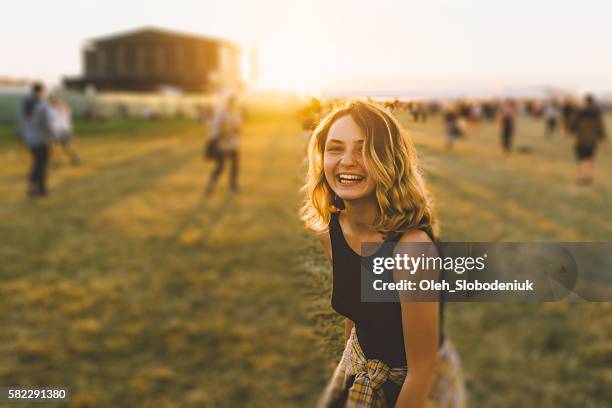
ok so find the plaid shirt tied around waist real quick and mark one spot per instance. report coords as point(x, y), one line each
point(358, 382)
point(368, 378)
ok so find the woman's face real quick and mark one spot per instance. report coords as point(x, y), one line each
point(343, 161)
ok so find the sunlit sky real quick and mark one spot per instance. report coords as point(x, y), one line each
point(342, 45)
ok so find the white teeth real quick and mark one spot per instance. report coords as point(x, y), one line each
point(349, 177)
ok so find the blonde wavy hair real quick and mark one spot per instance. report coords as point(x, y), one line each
point(390, 159)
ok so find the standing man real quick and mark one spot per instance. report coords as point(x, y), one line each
point(567, 113)
point(551, 112)
point(506, 123)
point(224, 140)
point(588, 130)
point(34, 133)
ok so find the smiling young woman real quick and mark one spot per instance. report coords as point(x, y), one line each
point(364, 185)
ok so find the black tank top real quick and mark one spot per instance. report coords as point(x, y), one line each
point(378, 324)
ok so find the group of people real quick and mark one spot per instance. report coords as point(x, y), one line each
point(42, 123)
point(583, 124)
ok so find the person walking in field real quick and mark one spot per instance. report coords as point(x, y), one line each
point(588, 130)
point(61, 127)
point(567, 113)
point(364, 185)
point(35, 133)
point(507, 117)
point(452, 128)
point(223, 142)
point(551, 113)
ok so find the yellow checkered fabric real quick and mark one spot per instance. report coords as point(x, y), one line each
point(357, 382)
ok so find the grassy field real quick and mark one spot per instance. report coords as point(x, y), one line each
point(132, 288)
point(126, 126)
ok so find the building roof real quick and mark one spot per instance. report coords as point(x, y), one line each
point(160, 31)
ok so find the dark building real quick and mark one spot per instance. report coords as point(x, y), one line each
point(149, 59)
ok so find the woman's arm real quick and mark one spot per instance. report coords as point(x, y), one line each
point(421, 330)
point(420, 322)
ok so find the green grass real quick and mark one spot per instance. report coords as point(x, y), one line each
point(133, 289)
point(8, 132)
point(126, 126)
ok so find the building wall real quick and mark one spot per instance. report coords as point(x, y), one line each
point(151, 59)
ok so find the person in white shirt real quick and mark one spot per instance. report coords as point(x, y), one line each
point(551, 113)
point(223, 141)
point(61, 126)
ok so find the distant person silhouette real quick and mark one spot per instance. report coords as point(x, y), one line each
point(507, 116)
point(452, 128)
point(588, 129)
point(567, 113)
point(61, 127)
point(475, 116)
point(223, 141)
point(551, 113)
point(34, 132)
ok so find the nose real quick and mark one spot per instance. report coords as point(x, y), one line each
point(348, 158)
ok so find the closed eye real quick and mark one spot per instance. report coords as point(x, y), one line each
point(334, 147)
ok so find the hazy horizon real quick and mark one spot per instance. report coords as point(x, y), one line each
point(344, 45)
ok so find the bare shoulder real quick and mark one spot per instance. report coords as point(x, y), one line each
point(421, 243)
point(415, 235)
point(324, 239)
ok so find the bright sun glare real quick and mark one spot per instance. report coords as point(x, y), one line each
point(285, 69)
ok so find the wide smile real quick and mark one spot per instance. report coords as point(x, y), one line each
point(347, 179)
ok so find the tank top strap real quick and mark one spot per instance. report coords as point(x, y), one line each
point(335, 231)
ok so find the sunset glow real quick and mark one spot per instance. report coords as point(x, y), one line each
point(348, 45)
